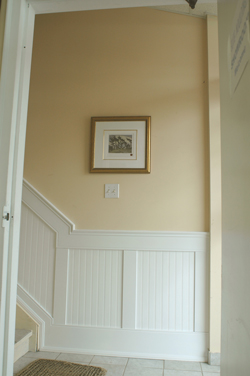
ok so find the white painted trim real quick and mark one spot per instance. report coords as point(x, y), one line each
point(15, 76)
point(34, 317)
point(33, 303)
point(61, 283)
point(201, 323)
point(215, 184)
point(129, 290)
point(178, 346)
point(68, 238)
point(36, 312)
point(52, 208)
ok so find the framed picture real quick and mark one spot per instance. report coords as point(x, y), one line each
point(120, 144)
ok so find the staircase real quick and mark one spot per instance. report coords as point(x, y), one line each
point(26, 334)
point(22, 338)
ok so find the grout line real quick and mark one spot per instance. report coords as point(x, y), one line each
point(202, 372)
point(126, 365)
point(201, 368)
point(125, 368)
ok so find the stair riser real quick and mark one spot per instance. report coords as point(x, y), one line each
point(21, 349)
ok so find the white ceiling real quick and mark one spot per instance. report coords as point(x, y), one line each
point(201, 9)
point(178, 6)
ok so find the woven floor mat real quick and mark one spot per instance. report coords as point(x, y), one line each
point(47, 367)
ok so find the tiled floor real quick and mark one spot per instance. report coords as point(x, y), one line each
point(126, 366)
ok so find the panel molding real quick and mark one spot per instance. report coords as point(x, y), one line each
point(61, 282)
point(94, 288)
point(129, 307)
point(165, 291)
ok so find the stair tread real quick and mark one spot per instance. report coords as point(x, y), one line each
point(21, 334)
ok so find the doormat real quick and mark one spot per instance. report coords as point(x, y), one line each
point(47, 367)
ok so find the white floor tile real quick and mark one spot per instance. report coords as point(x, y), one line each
point(151, 363)
point(42, 355)
point(79, 358)
point(112, 369)
point(169, 372)
point(184, 366)
point(207, 368)
point(143, 371)
point(22, 363)
point(118, 366)
point(109, 360)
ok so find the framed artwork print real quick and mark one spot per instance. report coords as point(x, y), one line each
point(120, 144)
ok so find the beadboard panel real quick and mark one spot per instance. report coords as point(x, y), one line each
point(37, 259)
point(165, 291)
point(94, 290)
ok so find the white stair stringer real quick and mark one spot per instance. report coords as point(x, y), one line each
point(36, 312)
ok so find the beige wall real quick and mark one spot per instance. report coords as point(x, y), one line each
point(121, 62)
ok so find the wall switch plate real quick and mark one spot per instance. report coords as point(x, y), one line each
point(111, 190)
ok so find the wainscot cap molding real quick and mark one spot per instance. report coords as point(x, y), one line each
point(69, 238)
point(36, 194)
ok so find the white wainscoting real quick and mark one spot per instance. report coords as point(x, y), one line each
point(138, 293)
point(37, 259)
point(165, 291)
point(94, 290)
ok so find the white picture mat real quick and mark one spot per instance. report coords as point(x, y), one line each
point(139, 126)
point(119, 156)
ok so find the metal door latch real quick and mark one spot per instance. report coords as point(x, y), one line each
point(5, 216)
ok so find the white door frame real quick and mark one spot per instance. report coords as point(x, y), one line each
point(14, 92)
point(15, 74)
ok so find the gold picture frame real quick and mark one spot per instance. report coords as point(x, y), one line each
point(120, 144)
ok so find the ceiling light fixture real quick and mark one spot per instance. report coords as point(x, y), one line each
point(192, 3)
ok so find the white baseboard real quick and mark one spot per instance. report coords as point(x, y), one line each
point(125, 343)
point(213, 359)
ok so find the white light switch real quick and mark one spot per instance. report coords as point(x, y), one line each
point(111, 190)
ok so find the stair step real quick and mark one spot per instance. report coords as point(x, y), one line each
point(21, 343)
